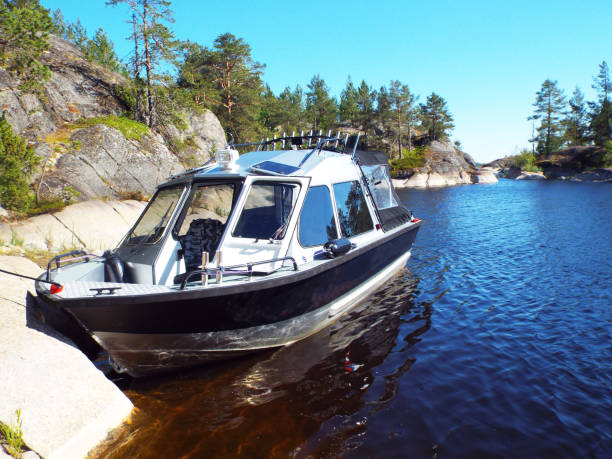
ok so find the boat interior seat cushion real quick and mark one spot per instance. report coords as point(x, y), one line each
point(203, 235)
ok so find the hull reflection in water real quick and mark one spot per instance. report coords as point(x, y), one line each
point(299, 400)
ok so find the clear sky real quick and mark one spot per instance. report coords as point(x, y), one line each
point(486, 58)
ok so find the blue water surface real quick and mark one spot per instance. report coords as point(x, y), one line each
point(495, 341)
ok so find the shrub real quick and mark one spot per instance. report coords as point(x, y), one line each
point(129, 128)
point(17, 163)
point(410, 160)
point(524, 161)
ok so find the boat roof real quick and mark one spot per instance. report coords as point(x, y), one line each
point(316, 161)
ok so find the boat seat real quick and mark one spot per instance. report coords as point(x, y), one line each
point(203, 235)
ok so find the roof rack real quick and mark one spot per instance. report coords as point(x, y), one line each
point(341, 144)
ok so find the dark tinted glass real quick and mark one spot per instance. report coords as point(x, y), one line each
point(317, 225)
point(267, 210)
point(353, 211)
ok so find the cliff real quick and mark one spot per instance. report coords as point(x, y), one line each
point(75, 125)
point(444, 166)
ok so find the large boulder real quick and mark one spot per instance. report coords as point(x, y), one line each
point(444, 166)
point(200, 136)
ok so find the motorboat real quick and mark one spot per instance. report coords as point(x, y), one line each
point(247, 252)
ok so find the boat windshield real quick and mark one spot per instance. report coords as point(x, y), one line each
point(154, 220)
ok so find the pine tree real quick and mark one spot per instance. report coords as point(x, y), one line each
point(366, 116)
point(156, 41)
point(435, 118)
point(383, 110)
point(321, 109)
point(401, 106)
point(17, 163)
point(348, 104)
point(101, 50)
point(601, 110)
point(549, 109)
point(290, 110)
point(576, 122)
point(230, 82)
point(24, 31)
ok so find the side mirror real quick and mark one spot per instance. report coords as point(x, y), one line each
point(337, 247)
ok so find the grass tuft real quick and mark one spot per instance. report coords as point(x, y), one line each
point(12, 435)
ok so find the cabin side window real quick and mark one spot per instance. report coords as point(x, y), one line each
point(317, 223)
point(267, 210)
point(353, 212)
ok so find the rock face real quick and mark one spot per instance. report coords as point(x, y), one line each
point(444, 166)
point(94, 225)
point(97, 160)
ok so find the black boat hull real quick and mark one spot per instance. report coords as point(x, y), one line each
point(166, 331)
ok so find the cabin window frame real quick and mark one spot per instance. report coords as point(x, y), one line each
point(297, 190)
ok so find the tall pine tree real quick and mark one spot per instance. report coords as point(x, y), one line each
point(230, 81)
point(435, 117)
point(401, 106)
point(601, 109)
point(576, 122)
point(549, 109)
point(321, 109)
point(154, 45)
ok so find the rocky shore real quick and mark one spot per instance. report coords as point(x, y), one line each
point(67, 405)
point(444, 166)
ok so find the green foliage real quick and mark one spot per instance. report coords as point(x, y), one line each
point(321, 109)
point(12, 434)
point(69, 195)
point(600, 111)
point(576, 121)
point(130, 129)
point(410, 159)
point(17, 163)
point(24, 31)
point(401, 103)
point(549, 108)
point(227, 80)
point(154, 48)
point(435, 117)
point(524, 161)
point(102, 50)
point(348, 108)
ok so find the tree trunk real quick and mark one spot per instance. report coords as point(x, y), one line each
point(145, 37)
point(399, 132)
point(136, 57)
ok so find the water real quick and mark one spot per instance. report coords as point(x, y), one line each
point(495, 341)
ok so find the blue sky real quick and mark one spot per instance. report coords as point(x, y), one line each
point(486, 58)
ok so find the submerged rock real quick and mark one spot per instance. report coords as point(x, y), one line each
point(531, 176)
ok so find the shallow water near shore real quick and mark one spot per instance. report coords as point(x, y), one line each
point(495, 340)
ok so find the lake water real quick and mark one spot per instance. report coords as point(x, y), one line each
point(496, 340)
